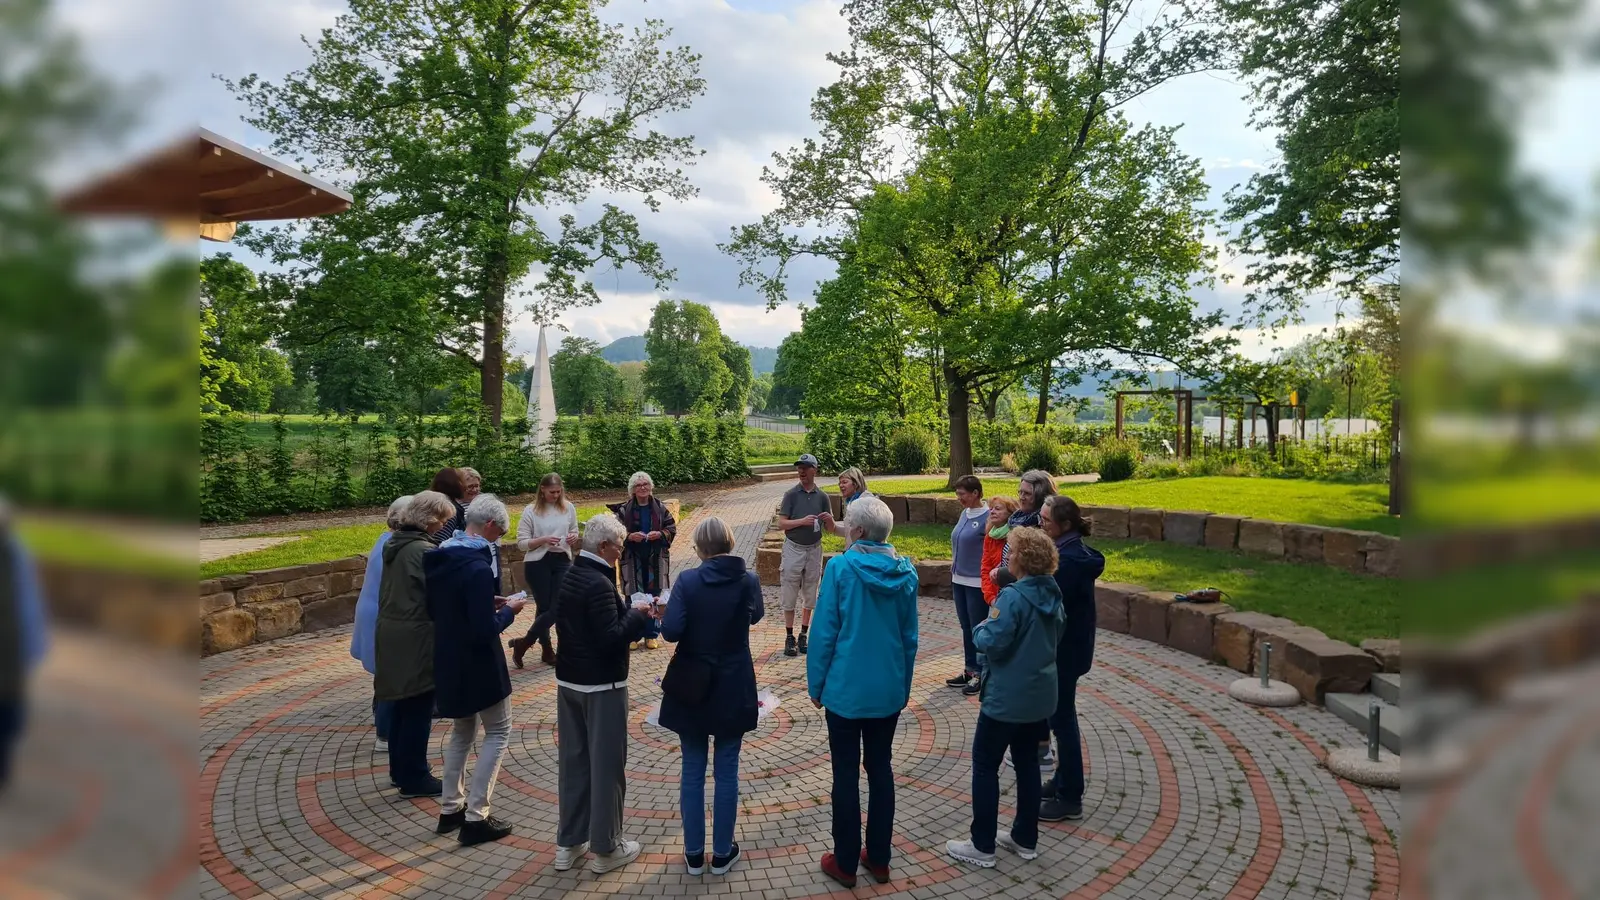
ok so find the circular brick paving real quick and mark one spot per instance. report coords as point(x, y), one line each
point(1190, 794)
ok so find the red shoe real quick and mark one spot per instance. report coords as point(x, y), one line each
point(880, 874)
point(830, 868)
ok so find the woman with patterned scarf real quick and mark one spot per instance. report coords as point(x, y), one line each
point(646, 558)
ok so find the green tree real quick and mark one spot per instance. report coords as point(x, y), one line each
point(856, 352)
point(686, 369)
point(583, 381)
point(630, 387)
point(461, 122)
point(788, 377)
point(975, 166)
point(736, 357)
point(1267, 382)
point(760, 390)
point(1326, 78)
point(246, 323)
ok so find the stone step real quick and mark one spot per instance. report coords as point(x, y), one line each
point(773, 468)
point(1352, 708)
point(777, 476)
point(1387, 686)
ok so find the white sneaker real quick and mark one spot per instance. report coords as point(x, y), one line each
point(964, 851)
point(567, 857)
point(380, 747)
point(1004, 840)
point(626, 852)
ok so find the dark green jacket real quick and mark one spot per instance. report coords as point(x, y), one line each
point(404, 639)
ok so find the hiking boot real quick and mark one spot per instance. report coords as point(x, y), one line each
point(789, 646)
point(802, 642)
point(490, 829)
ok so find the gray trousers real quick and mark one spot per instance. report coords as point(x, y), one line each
point(592, 729)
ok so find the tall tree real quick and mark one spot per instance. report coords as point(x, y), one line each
point(856, 352)
point(583, 381)
point(736, 357)
point(1326, 77)
point(1265, 382)
point(245, 324)
point(1029, 218)
point(686, 370)
point(788, 377)
point(461, 123)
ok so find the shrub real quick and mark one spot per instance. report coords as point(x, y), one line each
point(840, 442)
point(913, 450)
point(1008, 462)
point(1118, 460)
point(1038, 450)
point(1076, 459)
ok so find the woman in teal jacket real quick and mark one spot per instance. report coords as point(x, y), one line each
point(1019, 642)
point(863, 645)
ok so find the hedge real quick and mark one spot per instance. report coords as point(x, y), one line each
point(839, 442)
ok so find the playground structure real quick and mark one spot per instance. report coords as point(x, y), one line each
point(1183, 444)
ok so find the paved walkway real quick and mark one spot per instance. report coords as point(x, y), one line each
point(1190, 794)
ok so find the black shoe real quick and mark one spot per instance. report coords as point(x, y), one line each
point(802, 642)
point(695, 863)
point(433, 788)
point(962, 680)
point(449, 822)
point(721, 864)
point(1058, 810)
point(490, 829)
point(973, 688)
point(788, 647)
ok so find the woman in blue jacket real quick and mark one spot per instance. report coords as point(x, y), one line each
point(709, 615)
point(863, 646)
point(363, 638)
point(1079, 566)
point(1019, 641)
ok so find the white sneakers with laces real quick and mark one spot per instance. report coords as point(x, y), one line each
point(567, 857)
point(626, 852)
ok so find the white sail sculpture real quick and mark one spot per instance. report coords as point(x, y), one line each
point(541, 397)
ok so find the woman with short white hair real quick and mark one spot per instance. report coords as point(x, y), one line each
point(363, 641)
point(710, 689)
point(647, 557)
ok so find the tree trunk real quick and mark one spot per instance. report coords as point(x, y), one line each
point(1043, 415)
point(991, 405)
point(1272, 429)
point(494, 312)
point(960, 429)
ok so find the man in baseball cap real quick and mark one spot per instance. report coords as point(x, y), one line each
point(801, 515)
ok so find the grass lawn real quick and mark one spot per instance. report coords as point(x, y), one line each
point(1359, 506)
point(1457, 604)
point(58, 543)
point(1347, 607)
point(1509, 500)
point(323, 544)
point(763, 447)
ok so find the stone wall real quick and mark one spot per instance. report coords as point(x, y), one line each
point(147, 609)
point(240, 610)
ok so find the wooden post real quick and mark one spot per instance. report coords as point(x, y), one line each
point(1396, 472)
point(1222, 426)
point(1119, 416)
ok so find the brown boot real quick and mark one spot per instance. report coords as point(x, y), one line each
point(519, 647)
point(548, 655)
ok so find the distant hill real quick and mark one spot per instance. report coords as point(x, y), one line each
point(1095, 385)
point(631, 349)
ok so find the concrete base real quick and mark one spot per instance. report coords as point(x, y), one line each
point(1275, 693)
point(1352, 764)
point(1440, 763)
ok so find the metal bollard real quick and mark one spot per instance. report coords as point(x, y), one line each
point(1266, 663)
point(1373, 711)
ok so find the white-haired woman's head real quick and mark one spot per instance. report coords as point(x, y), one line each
point(641, 486)
point(487, 516)
point(603, 536)
point(397, 512)
point(712, 537)
point(428, 511)
point(869, 519)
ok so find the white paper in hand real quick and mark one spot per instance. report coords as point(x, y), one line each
point(653, 717)
point(766, 703)
point(641, 600)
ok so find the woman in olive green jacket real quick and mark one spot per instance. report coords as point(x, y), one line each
point(404, 644)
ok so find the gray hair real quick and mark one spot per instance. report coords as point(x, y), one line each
point(856, 478)
point(470, 472)
point(427, 510)
point(397, 512)
point(712, 537)
point(638, 479)
point(872, 516)
point(1043, 486)
point(602, 530)
point(486, 508)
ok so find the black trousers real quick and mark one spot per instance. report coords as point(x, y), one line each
point(857, 744)
point(544, 576)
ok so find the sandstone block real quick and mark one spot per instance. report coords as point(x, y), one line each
point(1111, 604)
point(213, 586)
point(1185, 527)
point(1233, 637)
point(210, 603)
point(1382, 554)
point(933, 578)
point(836, 505)
point(279, 618)
point(259, 593)
point(315, 584)
point(1148, 615)
point(227, 630)
point(921, 510)
point(1191, 627)
point(947, 511)
point(235, 582)
point(1281, 637)
point(345, 582)
point(359, 563)
point(1302, 543)
point(1385, 651)
point(769, 561)
point(897, 506)
point(1344, 549)
point(330, 612)
point(1317, 666)
point(1145, 524)
point(1222, 532)
point(1261, 536)
point(1109, 521)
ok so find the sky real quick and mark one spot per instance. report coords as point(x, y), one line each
point(763, 60)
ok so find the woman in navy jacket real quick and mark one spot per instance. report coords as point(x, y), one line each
point(1079, 566)
point(709, 614)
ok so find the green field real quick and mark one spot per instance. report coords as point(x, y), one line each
point(1345, 606)
point(82, 548)
point(1359, 506)
point(763, 447)
point(323, 544)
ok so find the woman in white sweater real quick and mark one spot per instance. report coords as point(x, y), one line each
point(548, 537)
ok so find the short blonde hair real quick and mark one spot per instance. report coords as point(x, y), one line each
point(712, 537)
point(856, 478)
point(428, 510)
point(397, 512)
point(1032, 552)
point(470, 472)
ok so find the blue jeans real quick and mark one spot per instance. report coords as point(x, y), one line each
point(410, 726)
point(692, 793)
point(989, 743)
point(855, 744)
point(1067, 783)
point(383, 717)
point(652, 629)
point(971, 610)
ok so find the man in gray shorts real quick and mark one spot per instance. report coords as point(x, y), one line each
point(803, 515)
